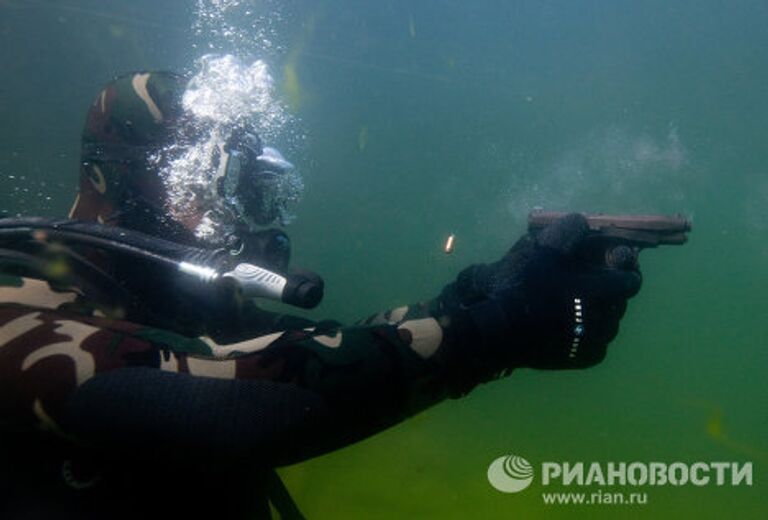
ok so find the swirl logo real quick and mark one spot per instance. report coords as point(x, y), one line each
point(510, 474)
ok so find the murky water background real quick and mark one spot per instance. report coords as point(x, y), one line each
point(419, 119)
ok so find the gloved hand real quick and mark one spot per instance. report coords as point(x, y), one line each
point(542, 305)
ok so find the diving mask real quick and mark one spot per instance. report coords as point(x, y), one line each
point(255, 181)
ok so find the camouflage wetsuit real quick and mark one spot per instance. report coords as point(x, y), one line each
point(108, 413)
point(264, 389)
point(290, 391)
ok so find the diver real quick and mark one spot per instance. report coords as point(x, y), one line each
point(128, 389)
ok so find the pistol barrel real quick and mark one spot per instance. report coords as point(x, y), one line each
point(645, 230)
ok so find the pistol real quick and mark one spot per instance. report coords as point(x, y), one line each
point(616, 240)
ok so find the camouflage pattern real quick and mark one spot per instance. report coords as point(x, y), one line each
point(48, 351)
point(369, 376)
point(132, 117)
point(53, 341)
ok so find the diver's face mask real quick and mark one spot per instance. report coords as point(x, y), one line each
point(256, 182)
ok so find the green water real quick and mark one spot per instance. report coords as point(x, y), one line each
point(435, 117)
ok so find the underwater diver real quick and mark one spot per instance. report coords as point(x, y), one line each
point(126, 389)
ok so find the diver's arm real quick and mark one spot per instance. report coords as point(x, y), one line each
point(540, 306)
point(299, 392)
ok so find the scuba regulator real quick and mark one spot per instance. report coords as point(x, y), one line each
point(137, 268)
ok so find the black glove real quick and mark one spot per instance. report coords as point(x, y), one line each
point(543, 305)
